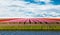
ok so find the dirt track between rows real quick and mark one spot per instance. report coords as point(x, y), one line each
point(27, 24)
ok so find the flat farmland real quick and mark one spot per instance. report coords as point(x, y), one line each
point(29, 24)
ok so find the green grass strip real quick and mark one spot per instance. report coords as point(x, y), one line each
point(29, 27)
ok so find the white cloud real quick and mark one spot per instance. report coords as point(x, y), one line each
point(23, 9)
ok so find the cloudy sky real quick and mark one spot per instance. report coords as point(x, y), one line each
point(29, 8)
